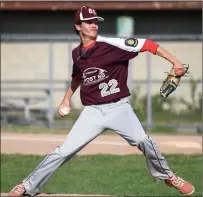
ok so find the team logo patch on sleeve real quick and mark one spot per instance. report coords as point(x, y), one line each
point(131, 42)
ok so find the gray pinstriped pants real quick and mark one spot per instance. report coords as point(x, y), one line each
point(92, 122)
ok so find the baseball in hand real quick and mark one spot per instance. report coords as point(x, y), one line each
point(64, 111)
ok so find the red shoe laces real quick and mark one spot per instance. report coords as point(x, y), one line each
point(178, 182)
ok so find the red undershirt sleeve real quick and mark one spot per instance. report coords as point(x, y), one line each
point(150, 46)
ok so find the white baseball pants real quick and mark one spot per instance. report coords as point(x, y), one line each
point(92, 122)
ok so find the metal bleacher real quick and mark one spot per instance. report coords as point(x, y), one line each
point(30, 104)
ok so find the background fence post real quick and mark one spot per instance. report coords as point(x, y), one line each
point(149, 98)
point(51, 84)
point(26, 109)
point(70, 61)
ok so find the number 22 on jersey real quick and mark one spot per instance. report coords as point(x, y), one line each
point(110, 88)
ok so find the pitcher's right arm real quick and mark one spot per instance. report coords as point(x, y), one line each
point(75, 83)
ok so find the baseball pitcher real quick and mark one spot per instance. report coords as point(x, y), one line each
point(101, 69)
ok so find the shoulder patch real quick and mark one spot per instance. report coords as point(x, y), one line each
point(131, 42)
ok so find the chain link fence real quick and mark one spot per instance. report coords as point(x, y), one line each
point(36, 70)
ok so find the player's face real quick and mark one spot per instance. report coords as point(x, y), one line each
point(89, 28)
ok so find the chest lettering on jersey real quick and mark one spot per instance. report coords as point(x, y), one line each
point(93, 75)
point(110, 88)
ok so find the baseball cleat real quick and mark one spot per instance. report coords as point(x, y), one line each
point(18, 190)
point(181, 185)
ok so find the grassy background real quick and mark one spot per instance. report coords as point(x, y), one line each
point(65, 130)
point(103, 174)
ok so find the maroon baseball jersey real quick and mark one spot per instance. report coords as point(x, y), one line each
point(103, 68)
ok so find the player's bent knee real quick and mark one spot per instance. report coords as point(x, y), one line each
point(58, 152)
point(137, 140)
point(67, 153)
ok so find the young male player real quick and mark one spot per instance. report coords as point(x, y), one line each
point(101, 70)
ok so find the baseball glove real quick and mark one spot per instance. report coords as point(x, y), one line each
point(171, 82)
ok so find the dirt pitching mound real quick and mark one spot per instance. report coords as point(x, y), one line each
point(45, 194)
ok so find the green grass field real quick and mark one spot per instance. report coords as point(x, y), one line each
point(103, 174)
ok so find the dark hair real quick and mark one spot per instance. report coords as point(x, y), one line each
point(75, 30)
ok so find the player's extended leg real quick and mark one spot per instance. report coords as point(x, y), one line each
point(87, 127)
point(121, 118)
